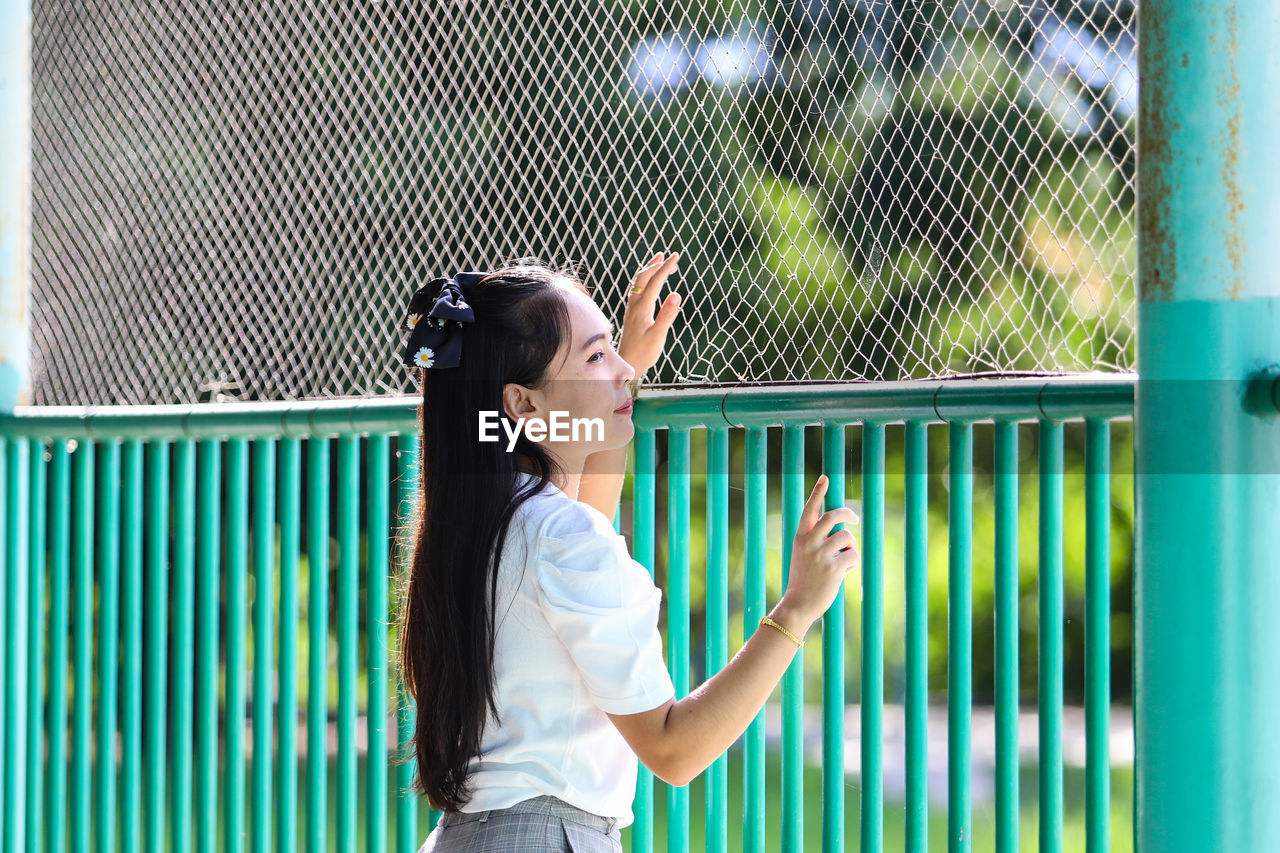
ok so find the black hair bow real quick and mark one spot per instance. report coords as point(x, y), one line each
point(435, 338)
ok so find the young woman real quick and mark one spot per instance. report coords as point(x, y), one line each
point(529, 636)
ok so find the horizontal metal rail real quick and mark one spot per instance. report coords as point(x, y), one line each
point(1024, 398)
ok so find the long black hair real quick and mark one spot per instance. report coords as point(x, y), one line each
point(467, 498)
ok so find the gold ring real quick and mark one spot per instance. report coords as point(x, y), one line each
point(636, 290)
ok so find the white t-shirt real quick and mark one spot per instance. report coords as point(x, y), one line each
point(576, 636)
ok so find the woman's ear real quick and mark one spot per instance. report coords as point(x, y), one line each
point(517, 401)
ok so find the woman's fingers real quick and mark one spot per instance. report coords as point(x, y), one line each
point(837, 542)
point(644, 290)
point(812, 507)
point(832, 517)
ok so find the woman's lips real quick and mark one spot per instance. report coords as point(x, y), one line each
point(624, 410)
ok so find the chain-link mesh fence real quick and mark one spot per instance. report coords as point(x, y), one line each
point(235, 199)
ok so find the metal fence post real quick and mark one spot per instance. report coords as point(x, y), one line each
point(15, 203)
point(1207, 652)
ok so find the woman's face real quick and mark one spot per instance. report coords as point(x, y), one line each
point(589, 381)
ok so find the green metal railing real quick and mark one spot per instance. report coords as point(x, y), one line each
point(170, 513)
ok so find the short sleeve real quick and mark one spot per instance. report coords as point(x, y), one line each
point(604, 607)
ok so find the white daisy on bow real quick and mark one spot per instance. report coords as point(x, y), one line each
point(425, 357)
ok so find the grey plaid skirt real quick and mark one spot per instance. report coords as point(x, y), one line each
point(543, 824)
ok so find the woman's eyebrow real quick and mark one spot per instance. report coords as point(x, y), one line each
point(598, 336)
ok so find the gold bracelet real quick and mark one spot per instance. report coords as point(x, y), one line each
point(765, 620)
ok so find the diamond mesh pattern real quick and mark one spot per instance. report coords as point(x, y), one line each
point(234, 200)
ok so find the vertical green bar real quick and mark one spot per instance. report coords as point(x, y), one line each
point(717, 586)
point(4, 635)
point(833, 622)
point(408, 477)
point(181, 698)
point(642, 509)
point(17, 500)
point(59, 624)
point(1050, 686)
point(959, 635)
point(317, 638)
point(793, 679)
point(209, 535)
point(108, 551)
point(757, 497)
point(287, 702)
point(406, 798)
point(82, 592)
point(131, 650)
point(37, 540)
point(678, 612)
point(348, 601)
point(156, 666)
point(916, 571)
point(237, 607)
point(378, 527)
point(264, 521)
point(1097, 634)
point(1006, 606)
point(872, 701)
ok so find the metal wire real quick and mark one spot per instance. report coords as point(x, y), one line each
point(234, 200)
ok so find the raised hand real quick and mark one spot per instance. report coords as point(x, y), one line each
point(819, 562)
point(643, 335)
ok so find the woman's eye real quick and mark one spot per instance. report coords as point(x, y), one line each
point(593, 358)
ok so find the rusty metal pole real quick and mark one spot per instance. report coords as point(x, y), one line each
point(1207, 595)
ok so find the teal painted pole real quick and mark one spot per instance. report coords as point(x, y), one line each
point(181, 709)
point(233, 734)
point(80, 830)
point(408, 475)
point(1006, 606)
point(643, 523)
point(377, 549)
point(317, 641)
point(678, 475)
point(1207, 644)
point(1097, 635)
point(15, 202)
point(36, 544)
point(108, 556)
point(130, 647)
point(209, 536)
point(59, 617)
point(348, 623)
point(959, 636)
point(717, 775)
point(1050, 646)
point(793, 496)
point(264, 522)
point(15, 484)
point(833, 672)
point(756, 481)
point(5, 523)
point(287, 701)
point(871, 701)
point(156, 620)
point(916, 580)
